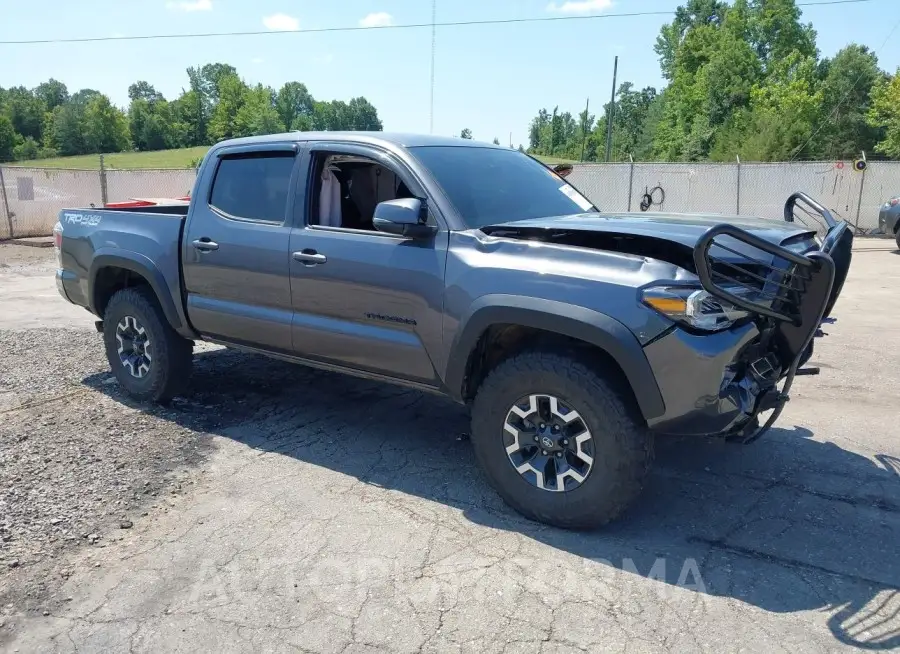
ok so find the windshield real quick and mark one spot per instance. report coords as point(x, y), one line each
point(488, 186)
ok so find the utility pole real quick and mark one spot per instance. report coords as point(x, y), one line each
point(612, 110)
point(433, 39)
point(587, 106)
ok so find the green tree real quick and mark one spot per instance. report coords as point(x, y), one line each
point(294, 102)
point(776, 31)
point(26, 111)
point(105, 126)
point(150, 119)
point(144, 91)
point(7, 138)
point(258, 115)
point(152, 126)
point(362, 115)
point(65, 124)
point(53, 93)
point(189, 122)
point(27, 149)
point(785, 112)
point(846, 89)
point(691, 15)
point(466, 133)
point(232, 94)
point(884, 114)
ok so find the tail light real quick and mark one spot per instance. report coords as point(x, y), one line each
point(895, 201)
point(57, 243)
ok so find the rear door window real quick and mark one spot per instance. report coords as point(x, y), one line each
point(253, 186)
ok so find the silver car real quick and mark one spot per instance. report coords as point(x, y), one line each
point(889, 218)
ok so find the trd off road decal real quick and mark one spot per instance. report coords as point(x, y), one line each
point(85, 219)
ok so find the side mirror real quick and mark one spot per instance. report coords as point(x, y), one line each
point(403, 217)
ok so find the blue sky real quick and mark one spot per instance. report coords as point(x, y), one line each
point(492, 78)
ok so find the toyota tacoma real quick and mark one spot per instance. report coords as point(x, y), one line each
point(573, 335)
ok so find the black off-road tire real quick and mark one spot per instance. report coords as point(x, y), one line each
point(897, 238)
point(172, 355)
point(623, 445)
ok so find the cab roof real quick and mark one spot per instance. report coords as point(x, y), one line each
point(376, 138)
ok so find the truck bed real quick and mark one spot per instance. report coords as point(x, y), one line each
point(91, 239)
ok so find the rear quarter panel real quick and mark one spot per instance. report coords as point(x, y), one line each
point(94, 238)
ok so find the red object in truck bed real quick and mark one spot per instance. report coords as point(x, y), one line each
point(134, 203)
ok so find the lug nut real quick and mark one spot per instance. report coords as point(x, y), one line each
point(555, 427)
point(544, 452)
point(558, 455)
point(543, 426)
point(565, 441)
point(535, 439)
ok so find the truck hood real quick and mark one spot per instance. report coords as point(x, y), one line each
point(685, 229)
point(668, 237)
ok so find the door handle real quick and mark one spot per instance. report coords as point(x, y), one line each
point(205, 245)
point(309, 257)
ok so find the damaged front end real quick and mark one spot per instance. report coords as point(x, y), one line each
point(789, 294)
point(743, 300)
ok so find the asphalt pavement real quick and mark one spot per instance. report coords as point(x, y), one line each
point(329, 514)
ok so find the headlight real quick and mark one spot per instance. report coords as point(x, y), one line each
point(692, 307)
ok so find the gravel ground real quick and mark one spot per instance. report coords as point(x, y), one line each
point(76, 466)
point(19, 257)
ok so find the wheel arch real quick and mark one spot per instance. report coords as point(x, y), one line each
point(111, 272)
point(580, 324)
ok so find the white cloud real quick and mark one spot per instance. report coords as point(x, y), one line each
point(281, 23)
point(190, 5)
point(378, 19)
point(580, 6)
point(257, 60)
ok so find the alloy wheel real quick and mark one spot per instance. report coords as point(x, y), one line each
point(548, 443)
point(134, 347)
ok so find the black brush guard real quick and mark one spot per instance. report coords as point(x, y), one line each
point(838, 241)
point(795, 292)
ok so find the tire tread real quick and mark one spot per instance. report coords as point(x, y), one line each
point(172, 353)
point(623, 422)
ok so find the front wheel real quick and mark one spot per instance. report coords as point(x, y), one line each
point(560, 442)
point(897, 238)
point(150, 360)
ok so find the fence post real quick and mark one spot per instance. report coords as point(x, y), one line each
point(630, 181)
point(738, 210)
point(6, 203)
point(103, 195)
point(862, 184)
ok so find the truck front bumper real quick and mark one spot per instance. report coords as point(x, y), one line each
point(707, 381)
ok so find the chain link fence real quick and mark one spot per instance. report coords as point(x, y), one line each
point(741, 189)
point(31, 198)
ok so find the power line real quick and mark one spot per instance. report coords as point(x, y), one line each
point(843, 99)
point(429, 25)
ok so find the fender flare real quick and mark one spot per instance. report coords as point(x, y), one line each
point(577, 322)
point(143, 266)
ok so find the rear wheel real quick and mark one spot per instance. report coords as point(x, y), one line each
point(560, 442)
point(150, 360)
point(897, 238)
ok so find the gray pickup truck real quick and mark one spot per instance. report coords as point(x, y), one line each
point(472, 271)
